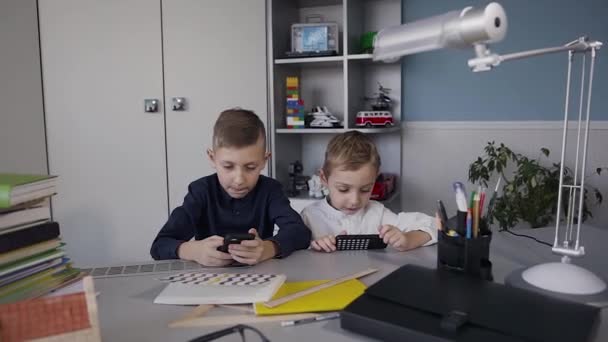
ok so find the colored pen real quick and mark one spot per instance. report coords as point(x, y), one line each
point(482, 199)
point(443, 214)
point(311, 319)
point(469, 223)
point(461, 196)
point(475, 211)
point(438, 221)
point(492, 202)
point(471, 199)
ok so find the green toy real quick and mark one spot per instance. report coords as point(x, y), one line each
point(367, 42)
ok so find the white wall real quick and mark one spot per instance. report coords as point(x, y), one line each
point(435, 154)
point(22, 141)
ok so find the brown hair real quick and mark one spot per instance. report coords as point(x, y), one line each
point(238, 127)
point(350, 151)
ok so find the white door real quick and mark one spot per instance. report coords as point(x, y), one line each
point(100, 60)
point(215, 57)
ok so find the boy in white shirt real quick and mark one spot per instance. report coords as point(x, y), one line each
point(350, 169)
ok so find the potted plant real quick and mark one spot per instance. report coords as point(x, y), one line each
point(530, 189)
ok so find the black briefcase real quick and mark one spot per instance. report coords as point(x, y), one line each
point(419, 304)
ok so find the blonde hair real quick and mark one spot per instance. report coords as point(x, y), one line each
point(350, 151)
point(238, 127)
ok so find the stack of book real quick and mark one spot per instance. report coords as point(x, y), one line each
point(32, 262)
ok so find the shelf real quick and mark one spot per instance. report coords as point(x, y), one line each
point(360, 56)
point(317, 3)
point(310, 130)
point(381, 130)
point(368, 58)
point(326, 59)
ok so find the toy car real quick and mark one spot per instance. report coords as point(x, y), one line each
point(321, 117)
point(374, 118)
point(384, 186)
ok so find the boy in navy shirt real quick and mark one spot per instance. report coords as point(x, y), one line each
point(236, 199)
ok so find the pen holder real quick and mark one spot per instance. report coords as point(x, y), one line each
point(469, 256)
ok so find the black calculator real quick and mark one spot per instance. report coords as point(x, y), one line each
point(359, 242)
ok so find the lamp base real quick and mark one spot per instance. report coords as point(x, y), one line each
point(563, 280)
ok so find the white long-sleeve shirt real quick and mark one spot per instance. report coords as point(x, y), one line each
point(323, 219)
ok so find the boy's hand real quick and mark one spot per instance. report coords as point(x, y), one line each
point(326, 243)
point(205, 252)
point(394, 237)
point(251, 252)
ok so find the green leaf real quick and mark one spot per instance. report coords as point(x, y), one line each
point(530, 190)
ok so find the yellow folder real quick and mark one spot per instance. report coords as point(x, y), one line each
point(333, 298)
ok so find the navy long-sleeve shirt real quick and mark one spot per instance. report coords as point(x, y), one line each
point(208, 210)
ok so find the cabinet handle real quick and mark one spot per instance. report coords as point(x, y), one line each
point(151, 105)
point(178, 103)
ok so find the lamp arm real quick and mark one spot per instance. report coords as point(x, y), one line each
point(485, 59)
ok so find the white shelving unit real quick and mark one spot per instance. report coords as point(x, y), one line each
point(339, 82)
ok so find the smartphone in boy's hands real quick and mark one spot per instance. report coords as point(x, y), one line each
point(234, 238)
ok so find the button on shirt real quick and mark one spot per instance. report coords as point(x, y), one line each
point(209, 210)
point(323, 219)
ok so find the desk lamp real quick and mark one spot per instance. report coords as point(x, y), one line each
point(476, 28)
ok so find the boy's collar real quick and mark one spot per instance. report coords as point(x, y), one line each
point(226, 195)
point(335, 213)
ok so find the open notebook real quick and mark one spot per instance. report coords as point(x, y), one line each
point(193, 288)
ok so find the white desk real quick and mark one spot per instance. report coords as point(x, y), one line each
point(128, 314)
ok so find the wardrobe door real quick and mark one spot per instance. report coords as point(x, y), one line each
point(100, 60)
point(215, 58)
point(22, 143)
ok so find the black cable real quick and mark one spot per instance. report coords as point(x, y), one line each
point(237, 328)
point(262, 336)
point(528, 236)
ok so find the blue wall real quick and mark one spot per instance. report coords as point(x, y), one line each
point(438, 86)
